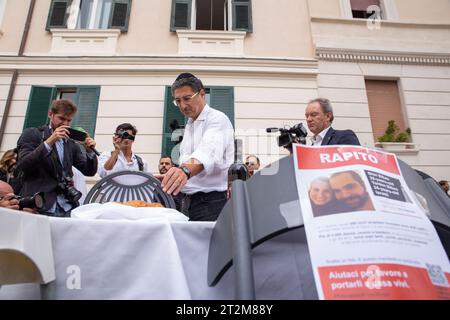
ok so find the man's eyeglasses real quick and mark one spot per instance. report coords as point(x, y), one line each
point(250, 163)
point(185, 99)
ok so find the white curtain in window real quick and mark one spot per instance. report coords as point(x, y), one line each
point(94, 14)
point(2, 10)
point(102, 15)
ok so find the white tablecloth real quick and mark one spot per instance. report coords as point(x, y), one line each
point(104, 259)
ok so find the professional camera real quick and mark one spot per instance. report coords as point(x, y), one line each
point(69, 191)
point(123, 134)
point(35, 202)
point(289, 135)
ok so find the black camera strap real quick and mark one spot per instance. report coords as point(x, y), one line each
point(140, 162)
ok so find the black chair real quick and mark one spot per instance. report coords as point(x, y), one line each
point(129, 185)
point(267, 205)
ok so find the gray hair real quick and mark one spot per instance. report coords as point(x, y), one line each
point(193, 82)
point(325, 105)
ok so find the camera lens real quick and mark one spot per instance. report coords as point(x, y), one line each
point(39, 200)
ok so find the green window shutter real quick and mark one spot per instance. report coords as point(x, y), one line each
point(171, 112)
point(120, 15)
point(181, 14)
point(58, 14)
point(87, 103)
point(222, 99)
point(38, 105)
point(242, 15)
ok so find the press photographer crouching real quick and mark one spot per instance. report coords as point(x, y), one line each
point(28, 204)
point(46, 156)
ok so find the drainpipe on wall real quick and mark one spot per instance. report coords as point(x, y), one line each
point(15, 74)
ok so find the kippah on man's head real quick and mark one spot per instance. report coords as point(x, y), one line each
point(185, 75)
point(187, 79)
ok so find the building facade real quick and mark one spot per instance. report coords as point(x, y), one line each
point(260, 61)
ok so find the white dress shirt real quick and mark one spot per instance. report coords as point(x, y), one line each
point(318, 139)
point(210, 140)
point(120, 165)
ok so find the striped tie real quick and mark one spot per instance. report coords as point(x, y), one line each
point(60, 149)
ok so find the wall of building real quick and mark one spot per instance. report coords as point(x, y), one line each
point(325, 8)
point(12, 26)
point(426, 94)
point(148, 32)
point(419, 11)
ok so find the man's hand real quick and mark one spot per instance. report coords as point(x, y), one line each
point(59, 133)
point(89, 143)
point(9, 201)
point(174, 180)
point(117, 142)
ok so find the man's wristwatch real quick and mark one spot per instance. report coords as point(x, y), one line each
point(186, 171)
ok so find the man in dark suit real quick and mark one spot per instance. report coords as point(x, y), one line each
point(319, 116)
point(46, 156)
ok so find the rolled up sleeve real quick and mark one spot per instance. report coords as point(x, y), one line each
point(217, 136)
point(104, 156)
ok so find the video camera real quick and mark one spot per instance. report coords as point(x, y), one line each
point(69, 191)
point(289, 135)
point(36, 201)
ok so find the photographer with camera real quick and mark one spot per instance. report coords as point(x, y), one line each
point(7, 197)
point(28, 204)
point(45, 158)
point(122, 157)
point(319, 116)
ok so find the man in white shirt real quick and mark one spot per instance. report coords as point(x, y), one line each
point(319, 116)
point(206, 153)
point(122, 157)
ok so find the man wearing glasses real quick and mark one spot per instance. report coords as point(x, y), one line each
point(122, 157)
point(206, 153)
point(252, 163)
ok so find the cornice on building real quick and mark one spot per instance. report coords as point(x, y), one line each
point(160, 64)
point(341, 55)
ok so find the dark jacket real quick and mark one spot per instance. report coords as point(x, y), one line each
point(334, 137)
point(42, 170)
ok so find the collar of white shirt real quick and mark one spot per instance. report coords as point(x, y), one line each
point(317, 140)
point(202, 116)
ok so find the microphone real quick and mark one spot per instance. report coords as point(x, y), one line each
point(268, 130)
point(95, 151)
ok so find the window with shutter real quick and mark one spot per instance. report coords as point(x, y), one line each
point(211, 15)
point(384, 105)
point(38, 106)
point(89, 14)
point(120, 14)
point(242, 15)
point(86, 99)
point(220, 98)
point(171, 113)
point(58, 14)
point(181, 14)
